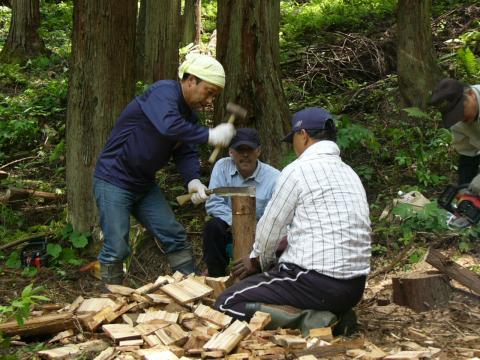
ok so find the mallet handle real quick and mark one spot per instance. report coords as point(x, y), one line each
point(217, 149)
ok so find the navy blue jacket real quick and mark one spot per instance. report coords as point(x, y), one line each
point(152, 128)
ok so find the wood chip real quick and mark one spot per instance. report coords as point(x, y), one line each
point(214, 316)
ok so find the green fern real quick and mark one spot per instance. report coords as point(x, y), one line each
point(469, 64)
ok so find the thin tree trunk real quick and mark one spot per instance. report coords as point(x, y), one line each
point(23, 41)
point(192, 22)
point(161, 39)
point(417, 69)
point(248, 48)
point(101, 84)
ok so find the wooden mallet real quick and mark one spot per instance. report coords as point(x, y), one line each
point(236, 111)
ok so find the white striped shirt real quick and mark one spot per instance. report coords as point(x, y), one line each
point(320, 203)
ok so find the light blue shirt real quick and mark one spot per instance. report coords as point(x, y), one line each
point(225, 173)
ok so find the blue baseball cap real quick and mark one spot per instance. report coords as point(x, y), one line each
point(309, 119)
point(245, 136)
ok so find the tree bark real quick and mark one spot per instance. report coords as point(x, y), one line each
point(417, 69)
point(248, 48)
point(192, 22)
point(23, 41)
point(162, 38)
point(101, 84)
point(140, 41)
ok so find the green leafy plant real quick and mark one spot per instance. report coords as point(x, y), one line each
point(469, 64)
point(20, 307)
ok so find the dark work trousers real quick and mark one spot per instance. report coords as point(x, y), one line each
point(216, 236)
point(467, 168)
point(289, 284)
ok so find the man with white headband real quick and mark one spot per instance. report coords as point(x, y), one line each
point(157, 125)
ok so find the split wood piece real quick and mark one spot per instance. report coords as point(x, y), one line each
point(62, 335)
point(116, 314)
point(120, 332)
point(25, 239)
point(94, 305)
point(214, 316)
point(152, 340)
point(324, 333)
point(107, 354)
point(168, 317)
point(408, 355)
point(453, 270)
point(127, 349)
point(329, 351)
point(243, 225)
point(219, 284)
point(148, 328)
point(164, 279)
point(142, 300)
point(159, 298)
point(200, 278)
point(421, 291)
point(172, 335)
point(229, 338)
point(271, 353)
point(156, 354)
point(187, 290)
point(238, 356)
point(147, 288)
point(120, 289)
point(73, 306)
point(259, 320)
point(215, 354)
point(14, 194)
point(178, 276)
point(133, 342)
point(371, 352)
point(311, 357)
point(73, 351)
point(94, 321)
point(289, 341)
point(195, 342)
point(44, 325)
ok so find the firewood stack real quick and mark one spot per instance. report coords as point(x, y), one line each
point(169, 319)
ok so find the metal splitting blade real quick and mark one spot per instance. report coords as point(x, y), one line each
point(233, 191)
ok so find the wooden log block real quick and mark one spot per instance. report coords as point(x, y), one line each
point(165, 316)
point(187, 290)
point(243, 225)
point(329, 351)
point(172, 335)
point(453, 270)
point(214, 316)
point(290, 341)
point(259, 320)
point(94, 305)
point(219, 284)
point(421, 291)
point(74, 351)
point(229, 338)
point(43, 325)
point(121, 332)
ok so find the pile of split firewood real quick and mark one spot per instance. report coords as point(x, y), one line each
point(171, 319)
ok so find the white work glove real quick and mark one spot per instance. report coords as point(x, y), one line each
point(474, 186)
point(221, 135)
point(198, 189)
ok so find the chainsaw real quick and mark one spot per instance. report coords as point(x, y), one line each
point(461, 203)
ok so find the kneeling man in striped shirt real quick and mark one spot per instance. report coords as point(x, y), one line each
point(320, 204)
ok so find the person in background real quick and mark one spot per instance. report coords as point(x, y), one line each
point(460, 107)
point(320, 203)
point(242, 168)
point(159, 125)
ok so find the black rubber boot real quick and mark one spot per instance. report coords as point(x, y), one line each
point(111, 274)
point(182, 261)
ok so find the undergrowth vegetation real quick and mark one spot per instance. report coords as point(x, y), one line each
point(392, 149)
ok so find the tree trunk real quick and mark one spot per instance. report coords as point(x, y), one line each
point(161, 40)
point(192, 22)
point(101, 84)
point(417, 69)
point(23, 41)
point(248, 48)
point(140, 41)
